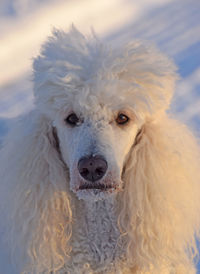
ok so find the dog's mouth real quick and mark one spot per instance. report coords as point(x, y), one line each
point(95, 191)
point(100, 186)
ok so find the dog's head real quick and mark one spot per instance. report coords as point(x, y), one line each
point(98, 100)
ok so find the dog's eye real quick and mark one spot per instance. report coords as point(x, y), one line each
point(72, 120)
point(122, 119)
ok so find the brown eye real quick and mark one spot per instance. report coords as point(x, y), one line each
point(122, 119)
point(72, 120)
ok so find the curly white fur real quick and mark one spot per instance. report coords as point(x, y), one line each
point(150, 224)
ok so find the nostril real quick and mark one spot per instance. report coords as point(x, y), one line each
point(98, 171)
point(84, 172)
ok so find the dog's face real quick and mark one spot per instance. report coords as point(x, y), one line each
point(95, 141)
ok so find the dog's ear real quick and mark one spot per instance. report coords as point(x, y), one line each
point(161, 208)
point(34, 195)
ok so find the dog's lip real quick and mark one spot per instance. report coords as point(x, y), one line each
point(99, 186)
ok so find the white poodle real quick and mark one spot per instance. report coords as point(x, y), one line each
point(98, 178)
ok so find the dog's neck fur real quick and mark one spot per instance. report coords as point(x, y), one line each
point(96, 234)
point(96, 243)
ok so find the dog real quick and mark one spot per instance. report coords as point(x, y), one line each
point(99, 177)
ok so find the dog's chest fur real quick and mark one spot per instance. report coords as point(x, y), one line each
point(95, 238)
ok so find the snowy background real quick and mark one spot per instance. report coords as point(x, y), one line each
point(174, 25)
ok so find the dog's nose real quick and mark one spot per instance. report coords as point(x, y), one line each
point(92, 168)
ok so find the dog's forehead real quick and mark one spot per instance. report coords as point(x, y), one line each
point(102, 98)
point(93, 108)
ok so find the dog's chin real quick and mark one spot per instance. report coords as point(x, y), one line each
point(95, 194)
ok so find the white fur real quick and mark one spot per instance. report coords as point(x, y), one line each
point(148, 222)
